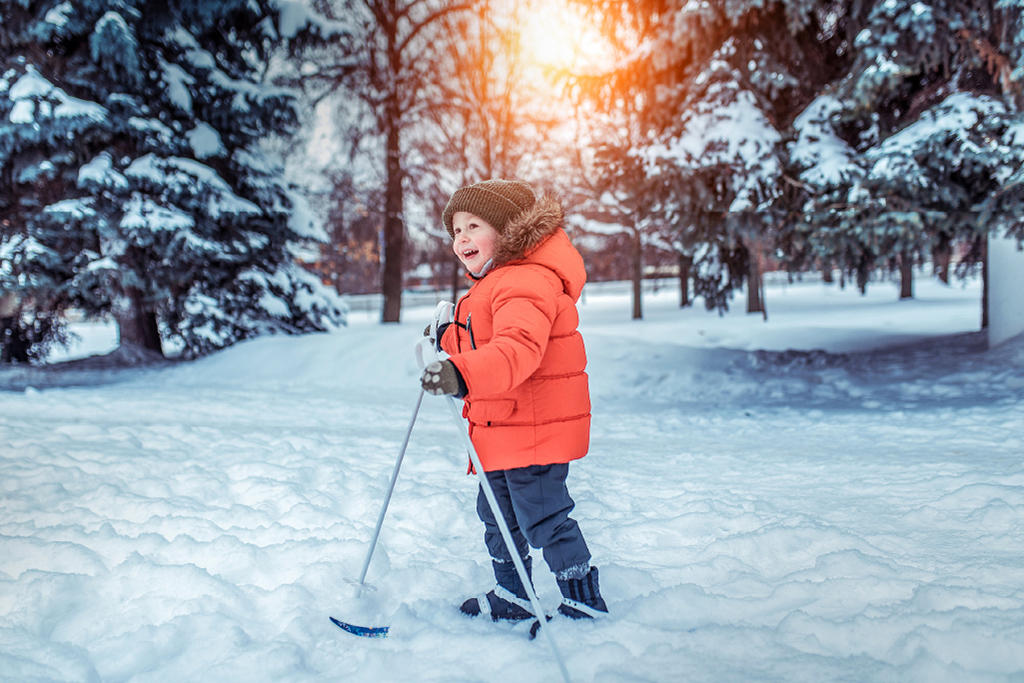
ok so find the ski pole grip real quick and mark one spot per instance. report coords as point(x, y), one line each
point(425, 352)
point(444, 314)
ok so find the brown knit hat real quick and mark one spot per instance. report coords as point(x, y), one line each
point(496, 201)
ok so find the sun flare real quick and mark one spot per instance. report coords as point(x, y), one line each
point(559, 36)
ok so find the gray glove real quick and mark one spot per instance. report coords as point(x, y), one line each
point(442, 378)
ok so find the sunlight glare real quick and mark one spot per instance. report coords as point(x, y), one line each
point(559, 36)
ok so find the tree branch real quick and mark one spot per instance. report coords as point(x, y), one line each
point(431, 18)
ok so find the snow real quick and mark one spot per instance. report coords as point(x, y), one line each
point(72, 209)
point(143, 214)
point(178, 81)
point(72, 107)
point(296, 17)
point(205, 141)
point(834, 494)
point(194, 53)
point(955, 116)
point(164, 134)
point(185, 175)
point(826, 157)
point(33, 86)
point(23, 112)
point(11, 246)
point(58, 16)
point(100, 171)
point(301, 219)
point(30, 174)
point(735, 134)
point(30, 86)
point(1014, 135)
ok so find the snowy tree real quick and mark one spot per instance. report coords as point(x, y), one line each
point(719, 179)
point(717, 83)
point(946, 177)
point(135, 182)
point(918, 145)
point(610, 193)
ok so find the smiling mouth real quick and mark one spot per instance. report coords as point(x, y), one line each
point(470, 253)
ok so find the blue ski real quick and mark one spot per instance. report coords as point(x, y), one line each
point(364, 631)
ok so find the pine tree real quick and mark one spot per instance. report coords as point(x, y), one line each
point(131, 156)
point(916, 148)
point(717, 84)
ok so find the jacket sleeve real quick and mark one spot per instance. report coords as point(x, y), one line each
point(524, 305)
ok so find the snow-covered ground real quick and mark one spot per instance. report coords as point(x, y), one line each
point(836, 494)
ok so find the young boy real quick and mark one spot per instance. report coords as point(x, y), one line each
point(518, 361)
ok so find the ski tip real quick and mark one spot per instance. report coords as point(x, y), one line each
point(364, 631)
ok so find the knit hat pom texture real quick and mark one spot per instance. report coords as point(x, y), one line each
point(496, 201)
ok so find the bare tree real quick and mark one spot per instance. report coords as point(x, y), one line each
point(394, 65)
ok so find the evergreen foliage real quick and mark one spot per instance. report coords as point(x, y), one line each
point(130, 159)
point(716, 83)
point(855, 134)
point(915, 148)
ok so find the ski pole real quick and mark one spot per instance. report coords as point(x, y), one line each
point(510, 544)
point(387, 497)
point(443, 310)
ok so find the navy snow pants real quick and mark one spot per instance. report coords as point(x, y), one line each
point(535, 503)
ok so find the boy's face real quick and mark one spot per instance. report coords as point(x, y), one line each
point(475, 240)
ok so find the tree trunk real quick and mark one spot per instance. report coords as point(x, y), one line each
point(863, 272)
point(906, 276)
point(394, 224)
point(755, 286)
point(638, 275)
point(941, 257)
point(826, 273)
point(984, 283)
point(136, 324)
point(685, 263)
point(14, 347)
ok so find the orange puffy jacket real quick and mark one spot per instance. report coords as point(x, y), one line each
point(516, 344)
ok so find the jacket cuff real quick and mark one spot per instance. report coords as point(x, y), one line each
point(463, 389)
point(441, 329)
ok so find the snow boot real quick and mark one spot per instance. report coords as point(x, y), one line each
point(508, 601)
point(500, 604)
point(581, 597)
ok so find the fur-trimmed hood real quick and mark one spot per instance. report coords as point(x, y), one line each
point(527, 230)
point(537, 235)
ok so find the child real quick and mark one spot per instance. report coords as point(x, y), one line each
point(518, 361)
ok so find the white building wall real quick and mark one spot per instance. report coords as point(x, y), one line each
point(1005, 290)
